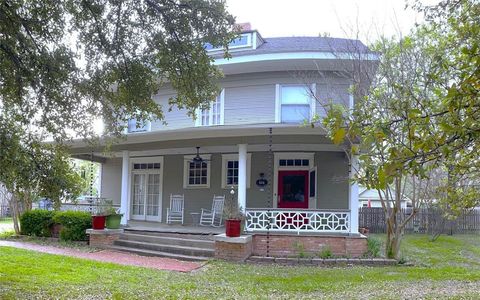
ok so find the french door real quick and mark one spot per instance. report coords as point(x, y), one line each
point(146, 188)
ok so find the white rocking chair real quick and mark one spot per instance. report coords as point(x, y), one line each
point(175, 211)
point(213, 217)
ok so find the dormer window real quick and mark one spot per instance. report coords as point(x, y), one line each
point(243, 41)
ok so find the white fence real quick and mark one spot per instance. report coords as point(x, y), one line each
point(287, 220)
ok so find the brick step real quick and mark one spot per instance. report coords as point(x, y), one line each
point(178, 240)
point(145, 252)
point(175, 249)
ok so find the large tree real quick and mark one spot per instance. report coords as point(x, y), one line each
point(420, 114)
point(66, 63)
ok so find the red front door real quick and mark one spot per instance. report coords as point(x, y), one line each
point(293, 189)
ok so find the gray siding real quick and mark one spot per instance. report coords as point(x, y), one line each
point(112, 180)
point(332, 182)
point(250, 98)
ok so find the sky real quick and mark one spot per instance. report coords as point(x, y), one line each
point(338, 18)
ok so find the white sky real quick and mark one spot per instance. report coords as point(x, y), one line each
point(275, 18)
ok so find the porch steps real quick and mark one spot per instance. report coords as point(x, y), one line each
point(193, 247)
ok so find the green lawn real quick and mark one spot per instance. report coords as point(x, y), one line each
point(446, 268)
point(6, 221)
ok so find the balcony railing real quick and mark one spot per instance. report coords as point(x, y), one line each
point(289, 220)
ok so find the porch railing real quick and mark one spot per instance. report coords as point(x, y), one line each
point(288, 220)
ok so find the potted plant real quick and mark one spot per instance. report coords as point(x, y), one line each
point(99, 216)
point(233, 216)
point(113, 218)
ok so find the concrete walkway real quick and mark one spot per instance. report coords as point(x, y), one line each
point(116, 257)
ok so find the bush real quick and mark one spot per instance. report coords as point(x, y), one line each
point(37, 222)
point(74, 224)
point(373, 247)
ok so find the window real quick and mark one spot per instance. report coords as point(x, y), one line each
point(145, 166)
point(134, 126)
point(197, 174)
point(230, 170)
point(293, 162)
point(243, 41)
point(213, 115)
point(294, 103)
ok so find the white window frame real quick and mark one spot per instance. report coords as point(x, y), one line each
point(221, 98)
point(233, 156)
point(249, 36)
point(186, 172)
point(148, 127)
point(140, 160)
point(278, 99)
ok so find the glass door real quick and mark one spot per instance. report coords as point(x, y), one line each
point(146, 196)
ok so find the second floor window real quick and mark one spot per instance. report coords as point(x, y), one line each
point(295, 104)
point(134, 126)
point(214, 115)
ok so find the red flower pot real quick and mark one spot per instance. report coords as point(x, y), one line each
point(232, 228)
point(98, 222)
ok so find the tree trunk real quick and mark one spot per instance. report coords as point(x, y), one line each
point(15, 214)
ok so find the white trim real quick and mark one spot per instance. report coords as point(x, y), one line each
point(353, 196)
point(148, 127)
point(125, 188)
point(242, 176)
point(313, 101)
point(278, 98)
point(234, 156)
point(186, 161)
point(278, 104)
point(134, 160)
point(351, 100)
point(254, 40)
point(198, 112)
point(313, 201)
point(288, 155)
point(294, 56)
point(239, 47)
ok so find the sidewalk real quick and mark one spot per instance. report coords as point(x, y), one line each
point(116, 257)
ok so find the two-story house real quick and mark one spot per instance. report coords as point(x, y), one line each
point(289, 178)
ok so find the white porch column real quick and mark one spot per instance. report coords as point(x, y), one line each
point(124, 195)
point(353, 197)
point(242, 176)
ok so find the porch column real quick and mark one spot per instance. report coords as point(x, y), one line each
point(353, 196)
point(124, 195)
point(242, 176)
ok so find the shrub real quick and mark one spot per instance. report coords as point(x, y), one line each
point(326, 252)
point(373, 247)
point(37, 222)
point(74, 224)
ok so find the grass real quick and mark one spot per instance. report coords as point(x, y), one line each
point(6, 221)
point(449, 267)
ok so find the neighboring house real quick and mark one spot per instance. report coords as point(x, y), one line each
point(371, 198)
point(252, 129)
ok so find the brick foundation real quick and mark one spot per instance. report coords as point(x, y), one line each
point(293, 245)
point(236, 249)
point(103, 238)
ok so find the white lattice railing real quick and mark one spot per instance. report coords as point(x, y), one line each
point(287, 220)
